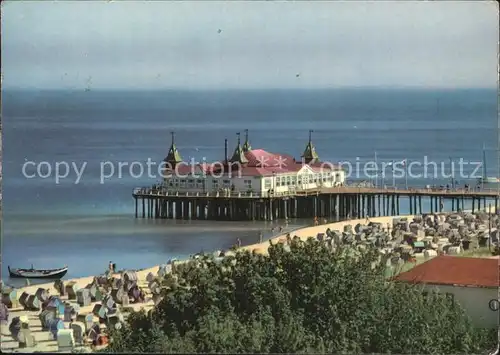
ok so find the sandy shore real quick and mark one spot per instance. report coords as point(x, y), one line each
point(302, 233)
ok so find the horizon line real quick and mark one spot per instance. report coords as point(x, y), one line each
point(180, 89)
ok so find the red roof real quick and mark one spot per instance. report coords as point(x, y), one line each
point(454, 270)
point(260, 163)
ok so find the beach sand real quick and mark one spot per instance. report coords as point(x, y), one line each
point(302, 233)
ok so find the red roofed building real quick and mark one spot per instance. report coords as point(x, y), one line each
point(253, 170)
point(473, 282)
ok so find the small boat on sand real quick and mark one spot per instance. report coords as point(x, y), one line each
point(38, 274)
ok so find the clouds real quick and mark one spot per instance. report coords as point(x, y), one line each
point(262, 44)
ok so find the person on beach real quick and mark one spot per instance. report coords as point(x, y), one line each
point(111, 267)
point(281, 229)
point(238, 241)
point(261, 237)
point(316, 221)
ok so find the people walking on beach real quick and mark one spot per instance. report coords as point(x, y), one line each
point(238, 242)
point(316, 221)
point(261, 237)
point(281, 229)
point(441, 206)
point(367, 219)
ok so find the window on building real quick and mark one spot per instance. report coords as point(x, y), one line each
point(294, 180)
point(337, 177)
point(278, 181)
point(215, 184)
point(226, 183)
point(299, 180)
point(248, 184)
point(310, 180)
point(183, 183)
point(288, 180)
point(199, 183)
point(190, 183)
point(267, 184)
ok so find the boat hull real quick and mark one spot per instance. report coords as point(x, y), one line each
point(38, 274)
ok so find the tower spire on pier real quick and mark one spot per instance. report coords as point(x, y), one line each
point(239, 154)
point(173, 156)
point(310, 155)
point(246, 146)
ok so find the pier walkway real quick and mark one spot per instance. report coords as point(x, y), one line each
point(338, 202)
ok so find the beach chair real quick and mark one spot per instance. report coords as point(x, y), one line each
point(42, 295)
point(150, 277)
point(98, 295)
point(54, 326)
point(9, 297)
point(71, 289)
point(99, 311)
point(129, 276)
point(33, 303)
point(154, 286)
point(51, 302)
point(23, 299)
point(59, 286)
point(117, 295)
point(26, 339)
point(87, 320)
point(92, 287)
point(78, 332)
point(69, 312)
point(65, 340)
point(46, 316)
point(93, 333)
point(15, 327)
point(114, 319)
point(83, 297)
point(125, 301)
point(4, 314)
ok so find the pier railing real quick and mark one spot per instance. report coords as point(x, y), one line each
point(153, 192)
point(222, 194)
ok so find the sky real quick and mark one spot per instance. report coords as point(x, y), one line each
point(249, 45)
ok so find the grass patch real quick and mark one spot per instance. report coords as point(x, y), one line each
point(477, 253)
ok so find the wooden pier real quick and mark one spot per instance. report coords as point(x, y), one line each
point(332, 203)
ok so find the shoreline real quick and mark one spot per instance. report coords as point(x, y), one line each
point(301, 232)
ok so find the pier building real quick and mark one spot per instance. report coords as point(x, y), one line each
point(254, 184)
point(252, 171)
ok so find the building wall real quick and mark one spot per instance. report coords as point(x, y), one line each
point(475, 301)
point(281, 183)
point(303, 180)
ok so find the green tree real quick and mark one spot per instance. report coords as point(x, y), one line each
point(302, 298)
